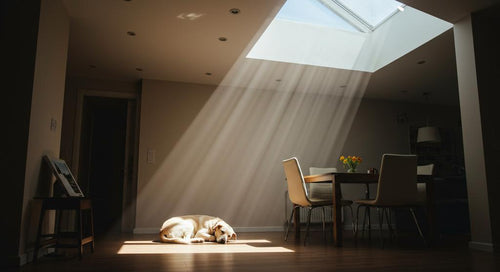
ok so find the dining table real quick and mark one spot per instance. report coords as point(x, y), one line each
point(336, 179)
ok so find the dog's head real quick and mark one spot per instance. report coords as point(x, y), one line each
point(223, 232)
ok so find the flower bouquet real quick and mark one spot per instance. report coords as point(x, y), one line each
point(350, 163)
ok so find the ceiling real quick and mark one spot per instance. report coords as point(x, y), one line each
point(167, 45)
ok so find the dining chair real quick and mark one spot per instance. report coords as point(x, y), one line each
point(324, 191)
point(397, 188)
point(298, 194)
point(423, 170)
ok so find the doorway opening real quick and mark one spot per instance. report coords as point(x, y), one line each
point(106, 161)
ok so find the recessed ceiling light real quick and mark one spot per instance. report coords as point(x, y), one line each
point(138, 69)
point(189, 16)
point(278, 80)
point(343, 86)
point(421, 62)
point(234, 11)
point(222, 39)
point(131, 33)
point(208, 73)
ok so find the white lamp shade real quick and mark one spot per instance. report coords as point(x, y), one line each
point(428, 135)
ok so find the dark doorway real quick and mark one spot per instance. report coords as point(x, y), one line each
point(102, 159)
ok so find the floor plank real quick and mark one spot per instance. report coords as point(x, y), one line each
point(268, 252)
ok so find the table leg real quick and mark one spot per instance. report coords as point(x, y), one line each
point(79, 225)
point(367, 211)
point(336, 214)
point(431, 222)
point(39, 232)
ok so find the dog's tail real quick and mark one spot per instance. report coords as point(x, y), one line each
point(176, 240)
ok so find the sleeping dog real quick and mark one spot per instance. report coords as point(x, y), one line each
point(196, 229)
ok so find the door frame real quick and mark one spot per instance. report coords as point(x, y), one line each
point(129, 193)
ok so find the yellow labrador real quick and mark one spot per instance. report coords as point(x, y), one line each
point(196, 229)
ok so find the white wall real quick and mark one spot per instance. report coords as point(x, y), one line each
point(47, 105)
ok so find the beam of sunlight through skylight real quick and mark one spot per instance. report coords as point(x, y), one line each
point(228, 163)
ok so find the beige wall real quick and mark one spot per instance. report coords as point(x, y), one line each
point(218, 151)
point(481, 233)
point(47, 105)
point(167, 110)
point(376, 130)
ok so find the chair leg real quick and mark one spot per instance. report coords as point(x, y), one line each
point(369, 225)
point(286, 205)
point(367, 213)
point(309, 209)
point(418, 226)
point(353, 223)
point(91, 212)
point(380, 222)
point(290, 222)
point(356, 223)
point(323, 218)
point(387, 213)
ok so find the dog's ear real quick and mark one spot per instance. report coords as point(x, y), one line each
point(234, 236)
point(215, 227)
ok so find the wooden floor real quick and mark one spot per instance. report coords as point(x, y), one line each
point(268, 252)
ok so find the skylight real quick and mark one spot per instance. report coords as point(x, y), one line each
point(370, 13)
point(361, 35)
point(313, 12)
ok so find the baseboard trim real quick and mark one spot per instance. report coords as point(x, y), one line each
point(372, 227)
point(10, 261)
point(259, 229)
point(146, 230)
point(488, 247)
point(16, 261)
point(237, 229)
point(255, 229)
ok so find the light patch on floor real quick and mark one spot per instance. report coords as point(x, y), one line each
point(239, 246)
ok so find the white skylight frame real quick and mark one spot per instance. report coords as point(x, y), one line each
point(299, 41)
point(356, 19)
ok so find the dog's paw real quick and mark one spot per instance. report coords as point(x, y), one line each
point(197, 240)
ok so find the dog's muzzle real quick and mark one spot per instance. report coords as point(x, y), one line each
point(222, 240)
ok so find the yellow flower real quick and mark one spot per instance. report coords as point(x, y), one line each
point(350, 162)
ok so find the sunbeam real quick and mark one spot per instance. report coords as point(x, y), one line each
point(228, 161)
